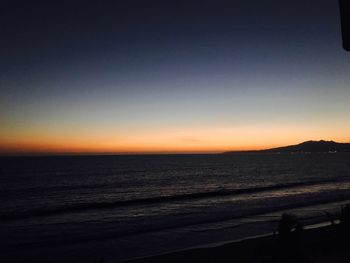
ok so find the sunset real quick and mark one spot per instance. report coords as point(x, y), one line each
point(174, 79)
point(158, 131)
point(201, 139)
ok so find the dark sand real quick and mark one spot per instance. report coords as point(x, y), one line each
point(327, 244)
point(324, 244)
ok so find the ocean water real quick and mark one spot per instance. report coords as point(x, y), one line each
point(122, 207)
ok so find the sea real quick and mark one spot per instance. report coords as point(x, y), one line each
point(118, 207)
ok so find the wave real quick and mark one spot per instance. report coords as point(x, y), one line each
point(166, 225)
point(49, 211)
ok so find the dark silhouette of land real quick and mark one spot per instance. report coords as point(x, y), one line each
point(305, 147)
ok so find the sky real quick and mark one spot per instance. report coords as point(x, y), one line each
point(170, 76)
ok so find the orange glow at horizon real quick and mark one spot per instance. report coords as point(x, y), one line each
point(195, 140)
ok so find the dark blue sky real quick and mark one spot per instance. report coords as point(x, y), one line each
point(118, 71)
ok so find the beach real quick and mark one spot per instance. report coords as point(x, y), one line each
point(118, 208)
point(174, 131)
point(323, 244)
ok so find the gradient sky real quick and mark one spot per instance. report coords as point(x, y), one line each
point(170, 76)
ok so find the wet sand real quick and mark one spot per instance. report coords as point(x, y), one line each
point(322, 244)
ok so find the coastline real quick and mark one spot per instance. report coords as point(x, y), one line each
point(52, 220)
point(224, 244)
point(320, 242)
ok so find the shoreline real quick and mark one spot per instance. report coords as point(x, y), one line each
point(264, 248)
point(114, 250)
point(309, 224)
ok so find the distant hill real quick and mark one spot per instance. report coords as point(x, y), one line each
point(305, 147)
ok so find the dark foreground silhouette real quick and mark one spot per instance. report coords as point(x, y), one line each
point(290, 243)
point(345, 22)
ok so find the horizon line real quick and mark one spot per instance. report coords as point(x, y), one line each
point(15, 153)
point(104, 153)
